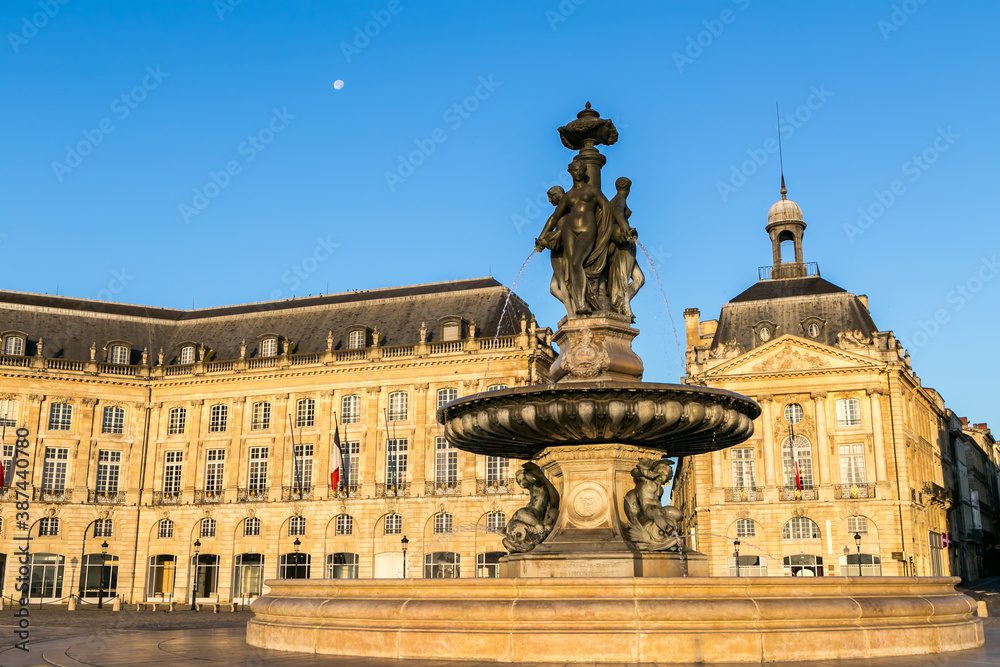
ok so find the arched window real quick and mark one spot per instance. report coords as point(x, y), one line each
point(177, 421)
point(800, 528)
point(746, 528)
point(342, 566)
point(103, 528)
point(114, 419)
point(399, 406)
point(496, 387)
point(442, 523)
point(13, 346)
point(796, 463)
point(269, 347)
point(393, 524)
point(305, 412)
point(446, 395)
point(48, 526)
point(496, 521)
point(441, 565)
point(251, 527)
point(60, 416)
point(345, 524)
point(208, 527)
point(296, 526)
point(118, 354)
point(488, 564)
point(350, 411)
point(166, 529)
point(187, 354)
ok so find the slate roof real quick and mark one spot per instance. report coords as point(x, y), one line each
point(69, 326)
point(788, 304)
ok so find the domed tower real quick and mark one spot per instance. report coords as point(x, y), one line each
point(784, 223)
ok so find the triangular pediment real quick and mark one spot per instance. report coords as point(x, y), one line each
point(790, 354)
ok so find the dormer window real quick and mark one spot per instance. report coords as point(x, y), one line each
point(269, 347)
point(451, 328)
point(187, 354)
point(765, 331)
point(118, 354)
point(13, 345)
point(813, 327)
point(813, 330)
point(356, 339)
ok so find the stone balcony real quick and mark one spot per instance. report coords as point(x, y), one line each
point(106, 497)
point(449, 488)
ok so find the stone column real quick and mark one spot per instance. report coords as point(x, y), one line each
point(822, 441)
point(881, 473)
point(770, 446)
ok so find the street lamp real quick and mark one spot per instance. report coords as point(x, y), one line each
point(194, 576)
point(857, 541)
point(100, 584)
point(298, 558)
point(736, 545)
point(404, 542)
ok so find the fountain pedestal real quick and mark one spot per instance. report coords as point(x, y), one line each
point(596, 347)
point(589, 537)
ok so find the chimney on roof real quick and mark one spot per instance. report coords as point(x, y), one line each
point(982, 427)
point(863, 298)
point(965, 421)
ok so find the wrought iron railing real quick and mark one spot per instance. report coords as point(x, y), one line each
point(296, 493)
point(347, 491)
point(53, 495)
point(166, 497)
point(209, 496)
point(795, 493)
point(853, 491)
point(383, 490)
point(442, 488)
point(742, 494)
point(495, 486)
point(254, 495)
point(106, 497)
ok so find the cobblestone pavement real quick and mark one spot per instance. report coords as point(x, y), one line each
point(206, 646)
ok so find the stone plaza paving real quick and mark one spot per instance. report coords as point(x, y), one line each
point(186, 638)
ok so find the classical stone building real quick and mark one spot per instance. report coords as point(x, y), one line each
point(848, 471)
point(972, 497)
point(165, 433)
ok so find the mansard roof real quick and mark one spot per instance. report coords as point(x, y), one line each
point(789, 305)
point(68, 326)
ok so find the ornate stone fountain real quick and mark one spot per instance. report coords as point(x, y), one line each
point(597, 569)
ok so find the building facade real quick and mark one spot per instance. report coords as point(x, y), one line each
point(849, 471)
point(163, 438)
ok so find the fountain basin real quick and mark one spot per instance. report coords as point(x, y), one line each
point(617, 619)
point(676, 420)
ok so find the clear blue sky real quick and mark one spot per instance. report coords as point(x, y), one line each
point(692, 87)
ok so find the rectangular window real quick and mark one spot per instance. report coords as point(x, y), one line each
point(353, 451)
point(60, 417)
point(399, 402)
point(208, 527)
point(8, 458)
point(109, 465)
point(356, 339)
point(119, 354)
point(744, 470)
point(257, 476)
point(215, 468)
point(393, 524)
point(269, 347)
point(218, 419)
point(172, 464)
point(13, 346)
point(177, 421)
point(296, 526)
point(345, 524)
point(305, 413)
point(848, 412)
point(857, 524)
point(54, 469)
point(187, 355)
point(746, 528)
point(114, 420)
point(395, 463)
point(302, 467)
point(261, 416)
point(350, 412)
point(445, 462)
point(496, 469)
point(852, 464)
point(8, 412)
point(48, 526)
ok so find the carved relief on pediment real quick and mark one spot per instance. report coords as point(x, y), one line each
point(790, 359)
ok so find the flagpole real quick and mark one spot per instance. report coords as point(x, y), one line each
point(295, 458)
point(345, 479)
point(388, 447)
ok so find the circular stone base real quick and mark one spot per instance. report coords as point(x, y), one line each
point(689, 619)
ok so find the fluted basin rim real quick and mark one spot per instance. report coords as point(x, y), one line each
point(677, 420)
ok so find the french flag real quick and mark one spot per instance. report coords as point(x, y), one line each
point(798, 477)
point(338, 471)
